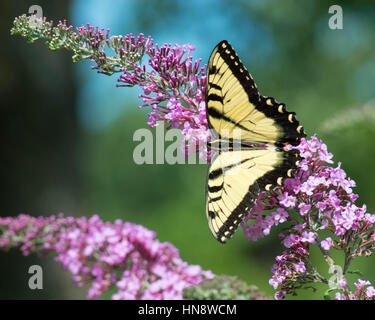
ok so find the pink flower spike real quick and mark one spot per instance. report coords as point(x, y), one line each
point(103, 254)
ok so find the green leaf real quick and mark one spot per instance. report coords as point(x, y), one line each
point(326, 295)
point(355, 272)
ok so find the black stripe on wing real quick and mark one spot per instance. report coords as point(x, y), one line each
point(268, 181)
point(292, 130)
point(227, 230)
point(277, 176)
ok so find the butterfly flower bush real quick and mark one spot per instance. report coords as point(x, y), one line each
point(316, 206)
point(173, 84)
point(104, 254)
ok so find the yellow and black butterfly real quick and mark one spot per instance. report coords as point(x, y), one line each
point(260, 127)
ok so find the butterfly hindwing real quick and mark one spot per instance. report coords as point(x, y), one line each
point(236, 177)
point(234, 181)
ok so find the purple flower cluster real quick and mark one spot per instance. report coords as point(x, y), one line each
point(173, 84)
point(106, 254)
point(317, 200)
point(174, 88)
point(363, 290)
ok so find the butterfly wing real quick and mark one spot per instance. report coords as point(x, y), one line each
point(234, 181)
point(233, 102)
point(235, 178)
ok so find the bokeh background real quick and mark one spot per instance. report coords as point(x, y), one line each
point(66, 131)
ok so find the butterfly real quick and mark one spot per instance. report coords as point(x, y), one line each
point(249, 133)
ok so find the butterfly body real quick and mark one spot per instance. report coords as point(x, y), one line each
point(249, 133)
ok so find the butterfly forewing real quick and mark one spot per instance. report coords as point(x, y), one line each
point(233, 101)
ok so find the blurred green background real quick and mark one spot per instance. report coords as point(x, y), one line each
point(67, 132)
